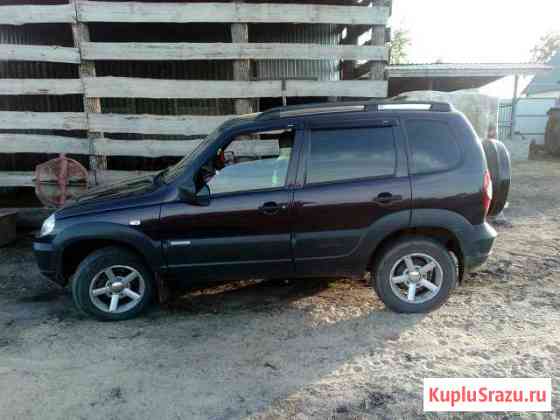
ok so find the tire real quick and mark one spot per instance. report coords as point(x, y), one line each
point(392, 265)
point(108, 272)
point(499, 165)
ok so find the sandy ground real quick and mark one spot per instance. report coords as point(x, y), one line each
point(315, 349)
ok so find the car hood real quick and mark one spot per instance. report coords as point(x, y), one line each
point(126, 187)
point(127, 193)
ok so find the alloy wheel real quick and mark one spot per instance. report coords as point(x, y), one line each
point(416, 278)
point(117, 289)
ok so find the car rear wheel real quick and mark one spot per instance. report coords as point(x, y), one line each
point(415, 275)
point(112, 284)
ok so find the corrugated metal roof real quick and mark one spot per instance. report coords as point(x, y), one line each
point(549, 82)
point(466, 69)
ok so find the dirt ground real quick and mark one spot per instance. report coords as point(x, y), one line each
point(314, 349)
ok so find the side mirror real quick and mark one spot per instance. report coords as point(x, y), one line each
point(203, 197)
point(187, 193)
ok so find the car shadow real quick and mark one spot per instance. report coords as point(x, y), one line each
point(230, 351)
point(252, 295)
point(287, 336)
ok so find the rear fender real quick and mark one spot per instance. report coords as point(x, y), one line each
point(404, 221)
point(376, 234)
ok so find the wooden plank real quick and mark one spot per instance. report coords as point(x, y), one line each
point(465, 70)
point(187, 125)
point(17, 179)
point(144, 148)
point(21, 15)
point(157, 51)
point(159, 148)
point(27, 179)
point(344, 88)
point(47, 53)
point(18, 120)
point(41, 87)
point(126, 87)
point(36, 143)
point(91, 11)
point(32, 143)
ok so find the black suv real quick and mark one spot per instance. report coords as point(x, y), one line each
point(401, 190)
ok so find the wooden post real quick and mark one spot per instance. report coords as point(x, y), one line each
point(514, 107)
point(241, 68)
point(80, 31)
point(377, 69)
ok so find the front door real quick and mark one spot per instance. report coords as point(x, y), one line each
point(246, 229)
point(352, 177)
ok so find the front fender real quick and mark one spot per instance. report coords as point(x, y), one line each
point(111, 232)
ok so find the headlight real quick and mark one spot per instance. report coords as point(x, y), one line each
point(48, 225)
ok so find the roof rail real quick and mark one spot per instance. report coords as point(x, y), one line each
point(314, 109)
point(413, 106)
point(322, 110)
point(340, 107)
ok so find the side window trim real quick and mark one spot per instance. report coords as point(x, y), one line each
point(306, 153)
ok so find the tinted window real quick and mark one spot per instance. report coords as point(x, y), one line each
point(246, 170)
point(432, 145)
point(351, 154)
point(250, 176)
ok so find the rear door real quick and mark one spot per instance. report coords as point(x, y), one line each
point(352, 176)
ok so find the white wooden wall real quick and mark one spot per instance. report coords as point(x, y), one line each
point(81, 12)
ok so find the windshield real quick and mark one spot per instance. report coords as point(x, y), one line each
point(171, 173)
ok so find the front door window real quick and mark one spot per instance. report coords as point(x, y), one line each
point(256, 162)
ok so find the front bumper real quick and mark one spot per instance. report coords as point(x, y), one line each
point(478, 245)
point(45, 257)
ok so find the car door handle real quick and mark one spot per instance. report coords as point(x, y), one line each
point(387, 198)
point(271, 208)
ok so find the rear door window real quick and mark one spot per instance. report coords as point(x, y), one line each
point(345, 154)
point(433, 146)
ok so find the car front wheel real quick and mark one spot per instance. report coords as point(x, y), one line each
point(112, 284)
point(415, 275)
